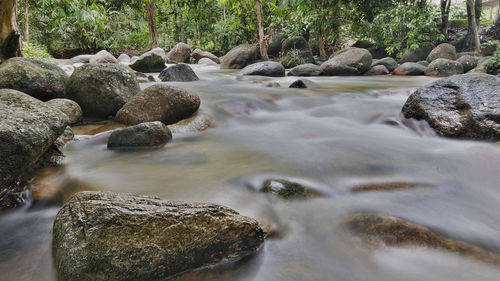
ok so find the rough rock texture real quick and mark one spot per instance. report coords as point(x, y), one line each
point(198, 54)
point(206, 61)
point(352, 61)
point(28, 128)
point(418, 54)
point(103, 57)
point(424, 63)
point(289, 190)
point(443, 51)
point(178, 73)
point(468, 62)
point(107, 236)
point(307, 69)
point(68, 107)
point(443, 68)
point(38, 79)
point(296, 46)
point(149, 62)
point(388, 62)
point(267, 68)
point(179, 53)
point(377, 70)
point(461, 106)
point(159, 103)
point(239, 57)
point(102, 89)
point(410, 68)
point(142, 136)
point(474, 54)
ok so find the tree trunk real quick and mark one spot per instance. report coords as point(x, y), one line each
point(445, 14)
point(322, 47)
point(472, 40)
point(10, 39)
point(153, 32)
point(478, 11)
point(262, 41)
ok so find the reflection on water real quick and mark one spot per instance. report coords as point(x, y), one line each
point(338, 135)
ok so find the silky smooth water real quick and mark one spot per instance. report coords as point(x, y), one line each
point(344, 132)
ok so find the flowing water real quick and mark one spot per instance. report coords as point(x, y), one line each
point(344, 132)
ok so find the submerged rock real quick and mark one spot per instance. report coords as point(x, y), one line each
point(443, 51)
point(68, 107)
point(199, 122)
point(178, 73)
point(443, 68)
point(103, 57)
point(239, 57)
point(179, 53)
point(149, 62)
point(387, 186)
point(289, 190)
point(352, 61)
point(410, 68)
point(307, 69)
point(142, 136)
point(108, 236)
point(303, 84)
point(267, 68)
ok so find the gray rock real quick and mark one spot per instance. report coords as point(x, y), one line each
point(143, 136)
point(160, 52)
point(388, 62)
point(199, 54)
point(159, 103)
point(179, 53)
point(474, 54)
point(206, 61)
point(418, 54)
point(149, 62)
point(468, 62)
point(294, 47)
point(124, 58)
point(267, 68)
point(303, 84)
point(377, 70)
point(81, 59)
point(410, 68)
point(443, 68)
point(289, 190)
point(307, 69)
point(178, 73)
point(443, 51)
point(107, 236)
point(68, 107)
point(38, 79)
point(102, 89)
point(276, 44)
point(461, 106)
point(353, 61)
point(103, 57)
point(239, 57)
point(424, 63)
point(489, 49)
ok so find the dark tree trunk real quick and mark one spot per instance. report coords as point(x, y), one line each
point(153, 32)
point(445, 14)
point(472, 39)
point(26, 34)
point(494, 31)
point(478, 11)
point(10, 39)
point(262, 40)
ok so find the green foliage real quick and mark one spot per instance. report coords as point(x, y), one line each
point(493, 66)
point(36, 51)
point(292, 59)
point(459, 23)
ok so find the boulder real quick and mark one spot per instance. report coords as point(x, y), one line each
point(206, 61)
point(197, 123)
point(81, 59)
point(443, 68)
point(102, 89)
point(160, 52)
point(462, 106)
point(443, 51)
point(307, 69)
point(424, 63)
point(388, 62)
point(421, 53)
point(178, 73)
point(107, 236)
point(377, 70)
point(41, 80)
point(303, 84)
point(68, 107)
point(489, 49)
point(289, 190)
point(149, 62)
point(468, 62)
point(179, 53)
point(276, 44)
point(267, 68)
point(159, 103)
point(143, 136)
point(239, 57)
point(124, 58)
point(474, 54)
point(103, 57)
point(198, 54)
point(410, 68)
point(295, 51)
point(353, 61)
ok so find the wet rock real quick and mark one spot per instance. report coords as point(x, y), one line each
point(418, 54)
point(199, 54)
point(206, 61)
point(387, 186)
point(443, 68)
point(424, 63)
point(443, 51)
point(461, 106)
point(377, 70)
point(149, 62)
point(307, 69)
point(81, 59)
point(273, 85)
point(109, 236)
point(67, 135)
point(68, 107)
point(289, 190)
point(159, 103)
point(468, 62)
point(239, 57)
point(143, 136)
point(388, 62)
point(303, 84)
point(102, 89)
point(94, 127)
point(124, 58)
point(103, 57)
point(242, 107)
point(296, 49)
point(410, 68)
point(197, 123)
point(178, 73)
point(353, 61)
point(38, 79)
point(267, 68)
point(179, 53)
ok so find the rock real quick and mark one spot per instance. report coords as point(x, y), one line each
point(67, 68)
point(160, 52)
point(468, 62)
point(41, 80)
point(443, 68)
point(159, 103)
point(81, 59)
point(149, 62)
point(481, 65)
point(28, 128)
point(143, 136)
point(443, 51)
point(418, 54)
point(197, 123)
point(424, 63)
point(206, 61)
point(124, 58)
point(102, 89)
point(239, 57)
point(67, 135)
point(179, 53)
point(388, 62)
point(133, 59)
point(276, 44)
point(267, 68)
point(461, 106)
point(410, 68)
point(307, 69)
point(289, 190)
point(199, 54)
point(107, 236)
point(474, 54)
point(273, 85)
point(68, 107)
point(303, 84)
point(353, 61)
point(295, 51)
point(363, 44)
point(489, 49)
point(387, 186)
point(377, 70)
point(103, 57)
point(378, 52)
point(94, 127)
point(178, 73)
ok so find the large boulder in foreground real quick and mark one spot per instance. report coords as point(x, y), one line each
point(28, 128)
point(102, 89)
point(143, 136)
point(239, 57)
point(461, 106)
point(179, 53)
point(444, 68)
point(178, 73)
point(351, 61)
point(443, 51)
point(419, 54)
point(266, 68)
point(68, 107)
point(38, 79)
point(159, 103)
point(107, 236)
point(149, 62)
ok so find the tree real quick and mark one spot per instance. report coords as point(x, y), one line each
point(26, 33)
point(445, 14)
point(262, 41)
point(10, 39)
point(153, 31)
point(472, 40)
